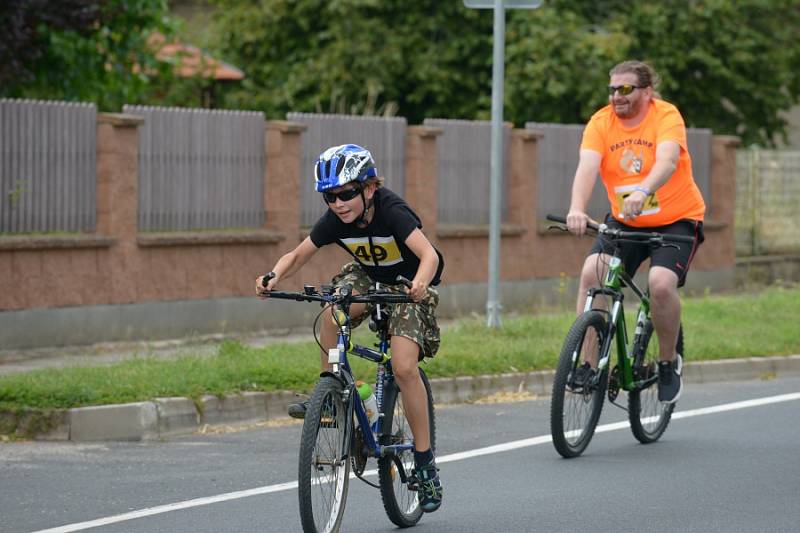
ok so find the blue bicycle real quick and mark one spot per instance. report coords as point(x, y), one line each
point(338, 434)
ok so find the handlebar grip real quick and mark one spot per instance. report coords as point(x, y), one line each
point(678, 238)
point(404, 281)
point(268, 276)
point(563, 220)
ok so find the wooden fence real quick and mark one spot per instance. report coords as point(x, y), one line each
point(47, 166)
point(465, 171)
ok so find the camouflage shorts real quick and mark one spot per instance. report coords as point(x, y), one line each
point(415, 321)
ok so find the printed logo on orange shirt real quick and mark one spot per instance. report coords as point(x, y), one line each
point(631, 162)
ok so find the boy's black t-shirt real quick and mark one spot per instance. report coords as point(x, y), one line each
point(380, 248)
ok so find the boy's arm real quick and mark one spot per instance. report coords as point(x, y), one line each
point(288, 265)
point(418, 243)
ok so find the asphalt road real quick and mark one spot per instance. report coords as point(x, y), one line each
point(724, 464)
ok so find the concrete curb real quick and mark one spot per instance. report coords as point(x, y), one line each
point(168, 417)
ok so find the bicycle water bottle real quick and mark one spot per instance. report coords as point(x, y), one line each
point(370, 403)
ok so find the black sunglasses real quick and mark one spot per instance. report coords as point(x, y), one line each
point(345, 195)
point(624, 90)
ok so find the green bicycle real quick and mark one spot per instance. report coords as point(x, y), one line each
point(575, 407)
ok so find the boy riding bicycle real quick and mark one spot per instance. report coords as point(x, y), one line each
point(384, 236)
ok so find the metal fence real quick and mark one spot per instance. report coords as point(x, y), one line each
point(464, 153)
point(385, 138)
point(48, 171)
point(767, 220)
point(558, 159)
point(200, 169)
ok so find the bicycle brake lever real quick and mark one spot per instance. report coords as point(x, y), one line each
point(562, 228)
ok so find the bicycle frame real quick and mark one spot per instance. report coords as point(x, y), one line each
point(616, 278)
point(342, 371)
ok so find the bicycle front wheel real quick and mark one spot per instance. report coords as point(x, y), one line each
point(324, 465)
point(649, 417)
point(400, 503)
point(574, 411)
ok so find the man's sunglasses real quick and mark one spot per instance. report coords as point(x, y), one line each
point(624, 90)
point(345, 195)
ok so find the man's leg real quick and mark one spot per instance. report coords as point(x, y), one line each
point(592, 275)
point(665, 309)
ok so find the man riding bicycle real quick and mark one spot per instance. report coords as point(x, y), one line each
point(637, 143)
point(384, 237)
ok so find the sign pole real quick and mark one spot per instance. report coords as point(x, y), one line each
point(496, 164)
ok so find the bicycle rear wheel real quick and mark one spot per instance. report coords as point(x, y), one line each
point(574, 411)
point(324, 465)
point(649, 417)
point(400, 503)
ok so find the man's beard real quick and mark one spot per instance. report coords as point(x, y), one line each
point(629, 111)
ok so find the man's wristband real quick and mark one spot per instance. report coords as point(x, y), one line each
point(642, 189)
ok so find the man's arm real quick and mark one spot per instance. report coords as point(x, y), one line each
point(582, 186)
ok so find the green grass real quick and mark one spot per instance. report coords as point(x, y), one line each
point(716, 327)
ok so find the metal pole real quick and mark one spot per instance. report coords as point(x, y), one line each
point(498, 73)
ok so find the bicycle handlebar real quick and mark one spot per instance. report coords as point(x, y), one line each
point(632, 235)
point(345, 295)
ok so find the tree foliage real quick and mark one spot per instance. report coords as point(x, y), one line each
point(728, 65)
point(87, 50)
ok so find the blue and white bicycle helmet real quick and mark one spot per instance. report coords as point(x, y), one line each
point(342, 164)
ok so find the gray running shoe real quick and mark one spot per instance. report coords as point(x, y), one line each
point(670, 383)
point(298, 410)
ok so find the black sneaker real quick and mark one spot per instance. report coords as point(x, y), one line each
point(429, 487)
point(582, 376)
point(670, 383)
point(298, 410)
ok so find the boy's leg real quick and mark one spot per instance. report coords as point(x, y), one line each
point(415, 400)
point(405, 353)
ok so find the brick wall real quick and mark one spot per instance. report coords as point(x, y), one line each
point(118, 265)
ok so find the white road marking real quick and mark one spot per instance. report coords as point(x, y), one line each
point(460, 456)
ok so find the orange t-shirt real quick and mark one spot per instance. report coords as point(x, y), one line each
point(628, 154)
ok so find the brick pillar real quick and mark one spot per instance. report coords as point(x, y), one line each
point(723, 196)
point(283, 178)
point(118, 199)
point(523, 180)
point(422, 176)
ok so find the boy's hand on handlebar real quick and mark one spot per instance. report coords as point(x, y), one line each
point(418, 290)
point(265, 284)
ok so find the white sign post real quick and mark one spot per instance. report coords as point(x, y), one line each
point(496, 161)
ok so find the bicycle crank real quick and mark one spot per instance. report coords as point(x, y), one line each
point(613, 384)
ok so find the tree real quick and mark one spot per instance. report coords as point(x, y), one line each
point(729, 65)
point(87, 50)
point(424, 58)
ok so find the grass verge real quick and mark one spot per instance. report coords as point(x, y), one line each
point(716, 327)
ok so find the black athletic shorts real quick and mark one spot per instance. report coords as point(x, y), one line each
point(675, 259)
